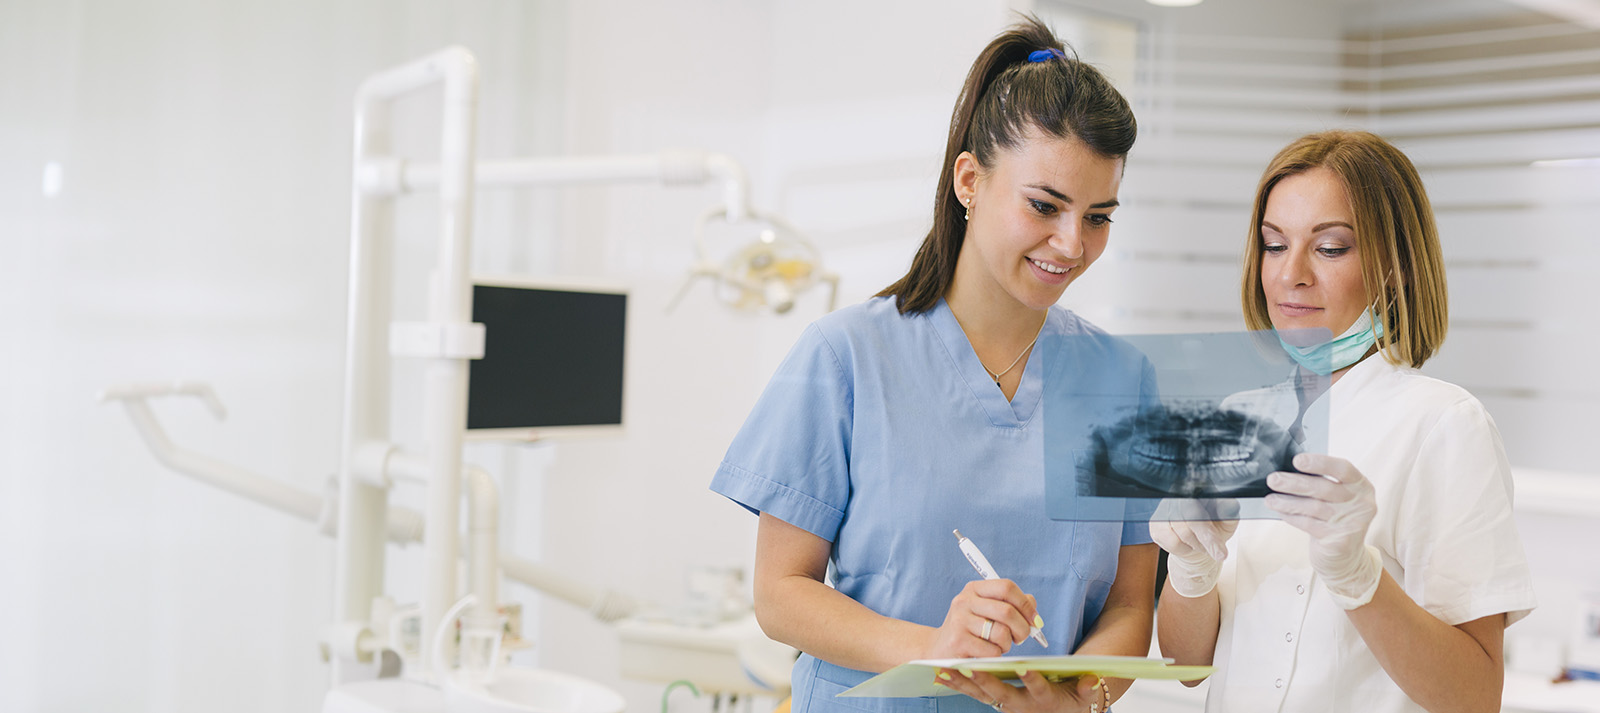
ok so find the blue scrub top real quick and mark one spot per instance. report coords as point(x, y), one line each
point(881, 433)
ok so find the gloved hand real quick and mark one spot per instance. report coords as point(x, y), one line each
point(1336, 514)
point(1195, 551)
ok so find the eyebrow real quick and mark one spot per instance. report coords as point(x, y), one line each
point(1319, 227)
point(1063, 197)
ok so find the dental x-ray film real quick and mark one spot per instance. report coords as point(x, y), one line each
point(1177, 426)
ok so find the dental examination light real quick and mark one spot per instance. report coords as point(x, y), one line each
point(373, 638)
point(768, 272)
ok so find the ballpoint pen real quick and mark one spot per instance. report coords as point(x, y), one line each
point(985, 570)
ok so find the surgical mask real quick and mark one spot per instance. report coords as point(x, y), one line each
point(1345, 349)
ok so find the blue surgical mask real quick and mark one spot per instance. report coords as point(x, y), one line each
point(1345, 349)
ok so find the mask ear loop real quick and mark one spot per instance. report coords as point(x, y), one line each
point(1381, 306)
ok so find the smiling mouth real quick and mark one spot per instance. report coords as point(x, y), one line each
point(1047, 267)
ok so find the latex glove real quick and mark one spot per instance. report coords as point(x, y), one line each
point(1195, 552)
point(1336, 514)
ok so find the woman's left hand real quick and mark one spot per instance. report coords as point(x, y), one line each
point(1037, 695)
point(1335, 505)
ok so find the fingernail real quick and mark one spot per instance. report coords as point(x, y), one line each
point(944, 676)
point(940, 684)
point(1038, 621)
point(965, 672)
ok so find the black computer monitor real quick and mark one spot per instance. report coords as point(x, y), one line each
point(553, 359)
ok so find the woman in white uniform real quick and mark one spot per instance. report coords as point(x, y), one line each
point(893, 422)
point(1397, 566)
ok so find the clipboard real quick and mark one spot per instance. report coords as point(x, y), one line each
point(916, 678)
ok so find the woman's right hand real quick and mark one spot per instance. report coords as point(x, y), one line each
point(1196, 550)
point(1193, 539)
point(982, 601)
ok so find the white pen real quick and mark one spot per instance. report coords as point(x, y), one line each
point(985, 570)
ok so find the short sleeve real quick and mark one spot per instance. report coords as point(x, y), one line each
point(791, 457)
point(1455, 531)
point(1136, 532)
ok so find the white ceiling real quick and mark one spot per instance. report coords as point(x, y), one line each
point(1367, 15)
point(1583, 12)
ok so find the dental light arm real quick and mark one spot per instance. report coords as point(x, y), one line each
point(389, 176)
point(768, 272)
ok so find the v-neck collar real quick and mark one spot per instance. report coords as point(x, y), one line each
point(1354, 381)
point(1023, 405)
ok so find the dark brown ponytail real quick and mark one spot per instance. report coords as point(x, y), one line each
point(1004, 96)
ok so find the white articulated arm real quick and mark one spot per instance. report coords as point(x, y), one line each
point(735, 187)
point(604, 604)
point(388, 176)
point(298, 503)
point(405, 526)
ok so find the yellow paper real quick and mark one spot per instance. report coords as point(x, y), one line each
point(916, 678)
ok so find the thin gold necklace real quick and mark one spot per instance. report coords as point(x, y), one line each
point(1014, 362)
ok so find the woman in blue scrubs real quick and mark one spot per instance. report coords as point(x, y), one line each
point(893, 422)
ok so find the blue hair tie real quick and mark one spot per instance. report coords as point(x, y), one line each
point(1045, 55)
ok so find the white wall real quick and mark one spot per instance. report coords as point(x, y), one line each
point(202, 233)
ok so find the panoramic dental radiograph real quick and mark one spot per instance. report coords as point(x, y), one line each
point(1188, 450)
point(1173, 426)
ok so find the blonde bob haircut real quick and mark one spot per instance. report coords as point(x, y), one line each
point(1396, 238)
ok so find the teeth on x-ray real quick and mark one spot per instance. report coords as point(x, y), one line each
point(1191, 451)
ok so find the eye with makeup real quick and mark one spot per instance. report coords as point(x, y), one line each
point(1271, 241)
point(1329, 250)
point(1099, 220)
point(1042, 207)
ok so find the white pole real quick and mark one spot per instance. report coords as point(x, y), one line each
point(483, 551)
point(359, 553)
point(359, 561)
point(444, 401)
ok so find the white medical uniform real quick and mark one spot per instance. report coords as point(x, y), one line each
point(1444, 527)
point(881, 433)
